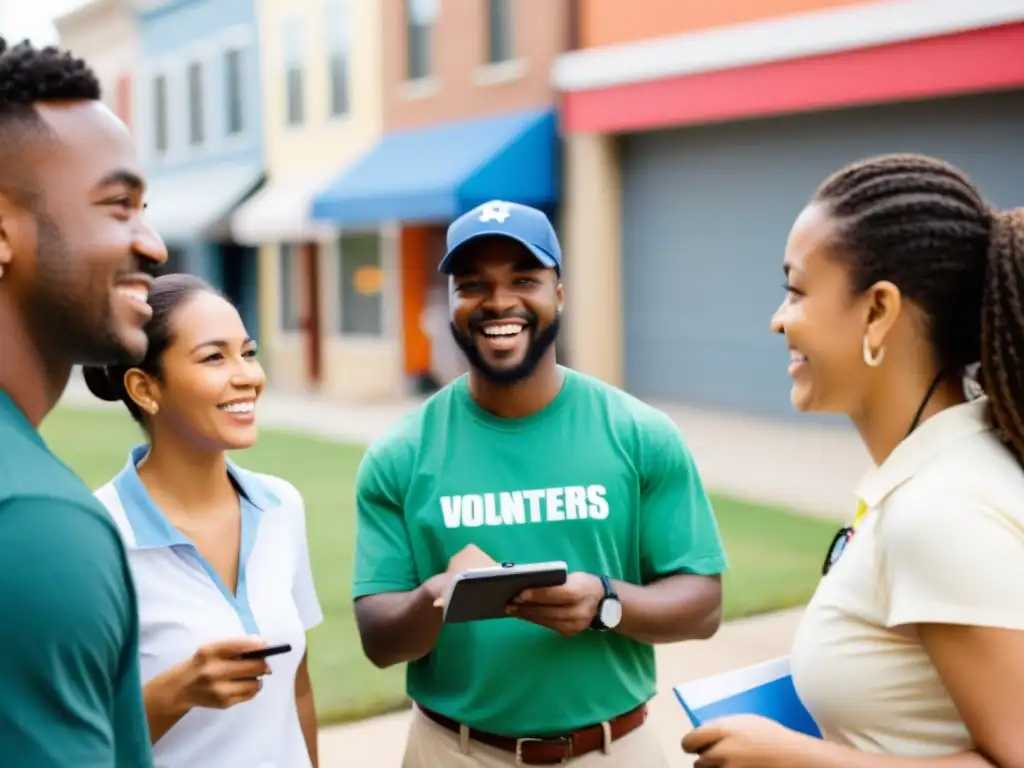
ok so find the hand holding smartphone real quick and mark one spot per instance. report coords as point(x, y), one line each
point(224, 673)
point(262, 653)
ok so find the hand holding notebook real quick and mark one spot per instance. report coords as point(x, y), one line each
point(753, 741)
point(764, 689)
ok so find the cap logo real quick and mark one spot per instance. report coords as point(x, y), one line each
point(495, 212)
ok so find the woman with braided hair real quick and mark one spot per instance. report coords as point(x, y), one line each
point(899, 279)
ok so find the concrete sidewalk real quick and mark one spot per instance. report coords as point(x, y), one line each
point(800, 465)
point(379, 743)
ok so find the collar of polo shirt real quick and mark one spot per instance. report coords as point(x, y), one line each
point(152, 530)
point(921, 446)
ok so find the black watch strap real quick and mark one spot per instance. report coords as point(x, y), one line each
point(609, 592)
point(609, 588)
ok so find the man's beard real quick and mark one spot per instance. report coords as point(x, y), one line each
point(70, 320)
point(506, 377)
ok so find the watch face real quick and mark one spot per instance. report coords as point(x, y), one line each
point(611, 613)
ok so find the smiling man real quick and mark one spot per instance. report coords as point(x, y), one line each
point(75, 258)
point(525, 460)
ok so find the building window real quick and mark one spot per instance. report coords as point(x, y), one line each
point(196, 117)
point(362, 285)
point(336, 20)
point(420, 17)
point(235, 118)
point(500, 34)
point(160, 137)
point(290, 285)
point(294, 86)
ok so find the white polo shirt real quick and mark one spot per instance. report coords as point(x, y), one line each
point(942, 542)
point(183, 604)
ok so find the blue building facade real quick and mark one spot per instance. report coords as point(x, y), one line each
point(198, 116)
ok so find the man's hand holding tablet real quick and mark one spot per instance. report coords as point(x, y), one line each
point(467, 558)
point(486, 592)
point(543, 593)
point(568, 609)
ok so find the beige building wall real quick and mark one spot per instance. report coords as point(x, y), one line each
point(321, 142)
point(352, 368)
point(282, 353)
point(364, 368)
point(592, 239)
point(105, 34)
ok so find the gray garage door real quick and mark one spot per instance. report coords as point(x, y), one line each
point(706, 212)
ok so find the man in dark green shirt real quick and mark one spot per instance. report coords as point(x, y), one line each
point(75, 264)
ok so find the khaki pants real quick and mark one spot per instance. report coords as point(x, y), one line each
point(431, 746)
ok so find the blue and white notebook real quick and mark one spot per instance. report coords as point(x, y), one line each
point(764, 689)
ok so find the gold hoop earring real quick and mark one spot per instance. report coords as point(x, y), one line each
point(872, 359)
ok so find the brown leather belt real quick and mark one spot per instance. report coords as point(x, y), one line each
point(551, 750)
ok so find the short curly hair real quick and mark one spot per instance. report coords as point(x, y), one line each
point(31, 76)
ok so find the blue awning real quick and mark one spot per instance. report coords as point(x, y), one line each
point(439, 173)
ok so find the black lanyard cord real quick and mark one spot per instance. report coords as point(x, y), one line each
point(924, 402)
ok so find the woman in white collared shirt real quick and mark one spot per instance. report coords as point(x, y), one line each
point(218, 554)
point(899, 277)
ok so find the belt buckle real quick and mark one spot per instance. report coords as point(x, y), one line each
point(564, 739)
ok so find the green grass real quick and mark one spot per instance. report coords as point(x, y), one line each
point(775, 556)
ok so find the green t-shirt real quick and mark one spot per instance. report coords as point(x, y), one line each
point(597, 479)
point(70, 693)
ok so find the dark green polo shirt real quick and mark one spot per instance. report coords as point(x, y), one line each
point(70, 693)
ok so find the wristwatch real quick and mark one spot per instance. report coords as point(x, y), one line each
point(609, 610)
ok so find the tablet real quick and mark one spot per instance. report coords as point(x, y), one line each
point(483, 593)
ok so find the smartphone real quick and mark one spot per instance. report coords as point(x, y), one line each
point(262, 653)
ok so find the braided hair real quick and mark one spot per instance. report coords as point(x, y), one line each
point(921, 224)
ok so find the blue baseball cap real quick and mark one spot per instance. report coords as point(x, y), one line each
point(499, 218)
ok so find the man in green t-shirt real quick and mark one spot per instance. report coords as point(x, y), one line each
point(524, 460)
point(74, 262)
